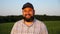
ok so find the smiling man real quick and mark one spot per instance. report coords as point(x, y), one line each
point(29, 25)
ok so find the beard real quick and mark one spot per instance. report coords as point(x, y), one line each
point(29, 19)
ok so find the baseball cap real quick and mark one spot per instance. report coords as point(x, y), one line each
point(28, 5)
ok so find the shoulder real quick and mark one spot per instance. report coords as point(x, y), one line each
point(39, 22)
point(42, 24)
point(18, 22)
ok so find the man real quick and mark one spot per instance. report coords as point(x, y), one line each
point(29, 25)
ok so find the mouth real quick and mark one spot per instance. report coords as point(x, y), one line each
point(28, 16)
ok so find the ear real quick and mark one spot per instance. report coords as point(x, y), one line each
point(22, 11)
point(34, 11)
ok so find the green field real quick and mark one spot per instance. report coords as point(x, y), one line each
point(52, 26)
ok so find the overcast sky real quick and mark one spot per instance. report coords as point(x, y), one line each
point(13, 7)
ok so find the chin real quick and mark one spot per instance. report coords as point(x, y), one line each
point(29, 19)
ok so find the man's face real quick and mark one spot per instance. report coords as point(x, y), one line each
point(28, 13)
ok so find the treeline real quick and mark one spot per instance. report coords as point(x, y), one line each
point(13, 18)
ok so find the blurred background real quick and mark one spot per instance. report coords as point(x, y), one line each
point(47, 11)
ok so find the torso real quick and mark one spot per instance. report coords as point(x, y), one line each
point(24, 29)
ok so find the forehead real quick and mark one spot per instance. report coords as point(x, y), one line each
point(27, 8)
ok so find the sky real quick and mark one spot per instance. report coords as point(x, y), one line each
point(14, 7)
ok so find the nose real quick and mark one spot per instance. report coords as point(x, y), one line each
point(27, 12)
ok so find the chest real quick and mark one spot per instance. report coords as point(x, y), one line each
point(34, 29)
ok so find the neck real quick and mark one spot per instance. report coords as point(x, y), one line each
point(28, 23)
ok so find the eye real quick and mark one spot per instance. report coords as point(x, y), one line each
point(30, 10)
point(24, 11)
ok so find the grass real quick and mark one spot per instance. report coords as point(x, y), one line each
point(52, 26)
point(5, 28)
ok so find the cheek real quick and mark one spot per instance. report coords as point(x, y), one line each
point(32, 13)
point(23, 13)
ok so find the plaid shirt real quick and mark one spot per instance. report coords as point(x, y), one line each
point(37, 27)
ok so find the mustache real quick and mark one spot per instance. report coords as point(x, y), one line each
point(27, 14)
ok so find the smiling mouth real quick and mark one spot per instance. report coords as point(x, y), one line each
point(28, 16)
